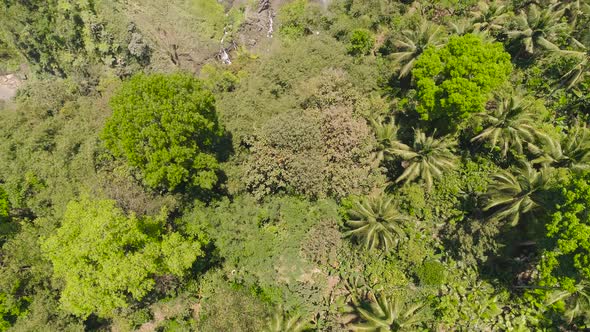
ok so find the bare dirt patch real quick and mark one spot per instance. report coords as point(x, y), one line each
point(8, 86)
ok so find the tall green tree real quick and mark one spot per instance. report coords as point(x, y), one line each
point(455, 81)
point(106, 259)
point(166, 126)
point(4, 206)
point(64, 37)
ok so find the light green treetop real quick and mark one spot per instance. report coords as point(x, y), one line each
point(566, 258)
point(456, 80)
point(105, 257)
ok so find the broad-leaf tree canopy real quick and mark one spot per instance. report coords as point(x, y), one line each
point(166, 126)
point(105, 257)
point(455, 81)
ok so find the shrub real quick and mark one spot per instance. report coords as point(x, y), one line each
point(431, 273)
point(361, 42)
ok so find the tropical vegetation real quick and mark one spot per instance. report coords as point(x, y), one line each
point(299, 165)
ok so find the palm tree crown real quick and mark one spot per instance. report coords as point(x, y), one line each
point(412, 43)
point(282, 322)
point(386, 135)
point(489, 16)
point(509, 126)
point(386, 315)
point(537, 28)
point(514, 195)
point(580, 70)
point(464, 26)
point(572, 150)
point(577, 300)
point(376, 222)
point(428, 158)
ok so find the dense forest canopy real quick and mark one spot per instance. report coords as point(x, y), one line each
point(302, 165)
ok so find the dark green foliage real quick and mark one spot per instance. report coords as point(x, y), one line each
point(166, 126)
point(67, 38)
point(465, 302)
point(455, 81)
point(370, 13)
point(4, 206)
point(6, 226)
point(25, 283)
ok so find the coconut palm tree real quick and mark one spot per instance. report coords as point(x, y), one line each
point(538, 28)
point(576, 9)
point(412, 43)
point(582, 68)
point(428, 158)
point(283, 322)
point(577, 301)
point(514, 195)
point(386, 135)
point(384, 315)
point(464, 26)
point(489, 16)
point(510, 125)
point(376, 222)
point(571, 151)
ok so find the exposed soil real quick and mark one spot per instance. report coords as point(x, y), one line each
point(8, 86)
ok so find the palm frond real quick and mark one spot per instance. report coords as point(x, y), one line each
point(376, 223)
